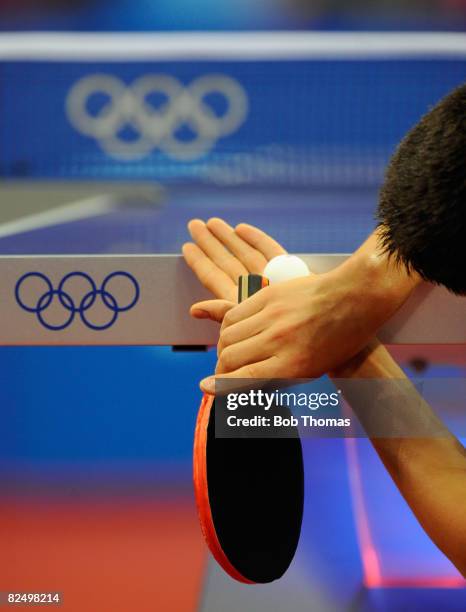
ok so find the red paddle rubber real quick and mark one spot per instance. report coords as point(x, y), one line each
point(201, 490)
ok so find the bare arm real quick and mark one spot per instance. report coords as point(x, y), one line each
point(429, 472)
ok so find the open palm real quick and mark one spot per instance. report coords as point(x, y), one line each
point(219, 254)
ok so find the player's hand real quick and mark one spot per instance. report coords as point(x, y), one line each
point(306, 327)
point(295, 329)
point(299, 328)
point(219, 254)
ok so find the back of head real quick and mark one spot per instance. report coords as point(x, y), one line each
point(422, 206)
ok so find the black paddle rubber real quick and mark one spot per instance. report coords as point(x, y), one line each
point(256, 493)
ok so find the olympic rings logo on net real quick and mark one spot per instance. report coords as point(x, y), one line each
point(67, 302)
point(156, 107)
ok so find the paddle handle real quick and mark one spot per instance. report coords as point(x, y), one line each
point(249, 284)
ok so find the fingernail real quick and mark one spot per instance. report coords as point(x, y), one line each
point(208, 385)
point(200, 314)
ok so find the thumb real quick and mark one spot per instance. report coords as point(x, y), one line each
point(248, 377)
point(211, 309)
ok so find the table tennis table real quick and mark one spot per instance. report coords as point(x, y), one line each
point(289, 131)
point(106, 234)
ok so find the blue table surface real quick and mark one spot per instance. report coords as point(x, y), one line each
point(317, 221)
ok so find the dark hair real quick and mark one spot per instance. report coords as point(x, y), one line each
point(422, 206)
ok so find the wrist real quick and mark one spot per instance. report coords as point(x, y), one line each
point(373, 361)
point(381, 282)
point(359, 362)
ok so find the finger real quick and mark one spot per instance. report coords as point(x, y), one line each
point(252, 259)
point(242, 353)
point(240, 331)
point(261, 241)
point(253, 305)
point(214, 310)
point(266, 369)
point(213, 279)
point(215, 250)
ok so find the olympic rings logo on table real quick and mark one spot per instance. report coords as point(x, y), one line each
point(71, 306)
point(156, 125)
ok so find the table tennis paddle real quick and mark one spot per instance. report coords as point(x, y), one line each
point(249, 491)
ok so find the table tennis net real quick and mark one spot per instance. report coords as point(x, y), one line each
point(321, 119)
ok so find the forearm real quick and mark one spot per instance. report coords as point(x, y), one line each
point(430, 472)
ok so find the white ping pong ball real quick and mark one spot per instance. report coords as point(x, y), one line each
point(285, 267)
